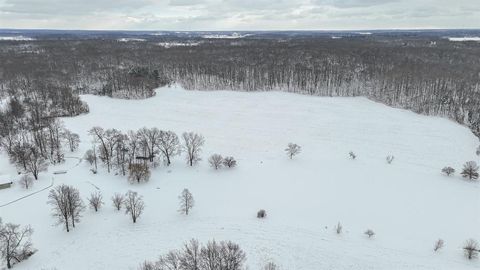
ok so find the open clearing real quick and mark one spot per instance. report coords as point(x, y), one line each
point(408, 203)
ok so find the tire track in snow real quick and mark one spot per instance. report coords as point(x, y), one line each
point(31, 194)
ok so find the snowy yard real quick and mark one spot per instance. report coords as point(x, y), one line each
point(409, 203)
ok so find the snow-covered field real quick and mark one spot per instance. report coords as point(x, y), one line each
point(177, 44)
point(16, 38)
point(464, 39)
point(131, 39)
point(226, 36)
point(408, 203)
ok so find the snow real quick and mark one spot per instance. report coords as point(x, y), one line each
point(226, 36)
point(177, 44)
point(408, 203)
point(16, 38)
point(464, 39)
point(4, 103)
point(131, 39)
point(5, 178)
point(364, 33)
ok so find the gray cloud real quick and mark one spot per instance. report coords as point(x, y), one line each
point(58, 7)
point(354, 3)
point(185, 2)
point(239, 14)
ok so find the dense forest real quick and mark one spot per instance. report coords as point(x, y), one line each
point(42, 78)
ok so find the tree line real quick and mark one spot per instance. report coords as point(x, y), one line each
point(425, 74)
point(134, 153)
point(33, 146)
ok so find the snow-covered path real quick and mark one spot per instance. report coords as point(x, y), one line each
point(41, 189)
point(408, 203)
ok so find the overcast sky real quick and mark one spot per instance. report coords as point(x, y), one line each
point(239, 14)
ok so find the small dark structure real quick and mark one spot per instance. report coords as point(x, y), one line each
point(146, 158)
point(261, 213)
point(6, 185)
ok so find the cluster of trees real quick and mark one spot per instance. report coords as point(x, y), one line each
point(401, 70)
point(29, 131)
point(67, 204)
point(15, 243)
point(471, 248)
point(31, 146)
point(224, 255)
point(216, 161)
point(135, 152)
point(134, 82)
point(470, 170)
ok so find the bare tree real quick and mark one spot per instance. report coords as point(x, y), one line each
point(149, 139)
point(293, 149)
point(133, 145)
point(120, 154)
point(478, 151)
point(35, 163)
point(193, 256)
point(448, 170)
point(53, 135)
point(390, 159)
point(369, 233)
point(58, 199)
point(73, 139)
point(270, 266)
point(352, 155)
point(339, 228)
point(229, 162)
point(190, 256)
point(169, 145)
point(210, 256)
point(134, 205)
point(26, 181)
point(215, 161)
point(470, 170)
point(91, 157)
point(67, 205)
point(95, 201)
point(193, 146)
point(117, 200)
point(232, 255)
point(471, 249)
point(170, 261)
point(104, 138)
point(20, 151)
point(438, 245)
point(146, 265)
point(138, 172)
point(186, 201)
point(75, 204)
point(15, 243)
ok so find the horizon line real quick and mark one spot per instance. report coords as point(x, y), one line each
point(263, 30)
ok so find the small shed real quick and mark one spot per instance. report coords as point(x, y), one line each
point(5, 181)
